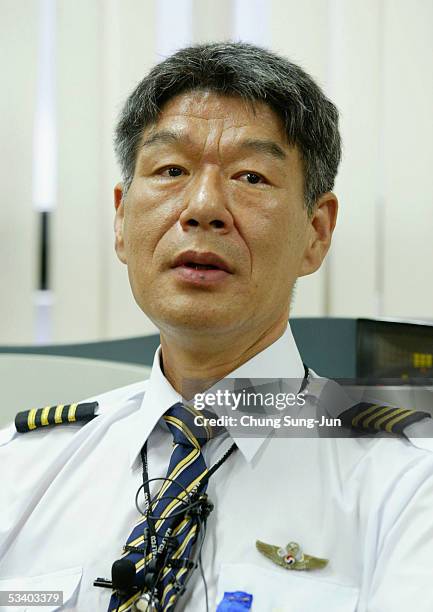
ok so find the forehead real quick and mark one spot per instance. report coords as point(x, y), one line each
point(223, 115)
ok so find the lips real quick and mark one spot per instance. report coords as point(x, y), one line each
point(204, 270)
point(201, 261)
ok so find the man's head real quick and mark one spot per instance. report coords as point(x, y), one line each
point(231, 150)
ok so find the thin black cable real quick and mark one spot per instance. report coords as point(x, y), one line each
point(182, 511)
point(154, 500)
point(150, 525)
point(200, 565)
point(172, 569)
point(306, 379)
point(219, 463)
point(198, 557)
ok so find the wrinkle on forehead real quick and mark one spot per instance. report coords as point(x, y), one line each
point(216, 115)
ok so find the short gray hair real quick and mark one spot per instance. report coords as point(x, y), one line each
point(255, 75)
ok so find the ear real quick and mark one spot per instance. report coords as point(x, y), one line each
point(321, 226)
point(119, 243)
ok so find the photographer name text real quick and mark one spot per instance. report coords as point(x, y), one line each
point(276, 422)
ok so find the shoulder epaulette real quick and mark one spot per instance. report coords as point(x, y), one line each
point(55, 415)
point(372, 418)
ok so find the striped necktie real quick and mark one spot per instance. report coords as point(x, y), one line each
point(187, 469)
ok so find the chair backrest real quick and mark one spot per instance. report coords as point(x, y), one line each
point(35, 381)
point(333, 347)
point(35, 376)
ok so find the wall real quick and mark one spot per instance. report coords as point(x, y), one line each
point(372, 58)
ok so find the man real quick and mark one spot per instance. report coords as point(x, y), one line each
point(229, 155)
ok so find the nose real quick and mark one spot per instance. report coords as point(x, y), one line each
point(206, 204)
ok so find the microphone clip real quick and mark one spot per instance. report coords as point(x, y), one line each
point(103, 582)
point(201, 508)
point(146, 603)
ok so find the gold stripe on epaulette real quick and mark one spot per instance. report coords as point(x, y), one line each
point(58, 413)
point(31, 418)
point(394, 412)
point(44, 415)
point(361, 415)
point(71, 412)
point(390, 425)
point(378, 412)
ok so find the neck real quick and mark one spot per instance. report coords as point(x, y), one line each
point(193, 364)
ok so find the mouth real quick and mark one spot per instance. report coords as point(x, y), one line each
point(201, 261)
point(201, 268)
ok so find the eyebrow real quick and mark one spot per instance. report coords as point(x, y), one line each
point(165, 137)
point(268, 147)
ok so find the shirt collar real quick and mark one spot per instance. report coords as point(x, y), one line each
point(279, 360)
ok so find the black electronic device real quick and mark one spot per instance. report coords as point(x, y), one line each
point(395, 350)
point(122, 577)
point(367, 351)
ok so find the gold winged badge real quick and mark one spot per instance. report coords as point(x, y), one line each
point(291, 557)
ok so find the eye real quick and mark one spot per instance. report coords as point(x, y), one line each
point(171, 171)
point(253, 178)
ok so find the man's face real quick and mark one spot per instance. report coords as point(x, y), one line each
point(214, 185)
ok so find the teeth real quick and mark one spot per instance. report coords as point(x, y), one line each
point(202, 266)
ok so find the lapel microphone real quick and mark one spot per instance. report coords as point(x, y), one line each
point(122, 578)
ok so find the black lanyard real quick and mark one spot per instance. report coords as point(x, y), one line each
point(147, 507)
point(305, 380)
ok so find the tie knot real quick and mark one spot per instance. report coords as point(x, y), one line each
point(187, 425)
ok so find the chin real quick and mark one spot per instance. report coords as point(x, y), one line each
point(195, 320)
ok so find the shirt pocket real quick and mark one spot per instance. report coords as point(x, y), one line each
point(66, 581)
point(286, 590)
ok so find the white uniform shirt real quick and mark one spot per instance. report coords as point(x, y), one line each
point(67, 507)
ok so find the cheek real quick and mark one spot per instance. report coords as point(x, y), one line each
point(146, 227)
point(275, 244)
